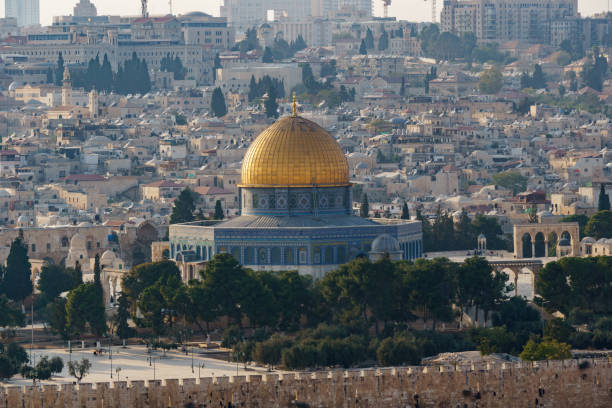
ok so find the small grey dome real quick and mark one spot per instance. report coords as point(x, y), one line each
point(588, 240)
point(385, 243)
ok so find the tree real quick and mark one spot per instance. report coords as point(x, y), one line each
point(270, 104)
point(600, 225)
point(44, 369)
point(364, 210)
point(399, 350)
point(54, 280)
point(59, 72)
point(12, 358)
point(84, 308)
point(174, 65)
point(512, 180)
point(55, 316)
point(604, 199)
point(405, 212)
point(219, 214)
point(79, 369)
point(383, 40)
point(124, 331)
point(538, 79)
point(10, 314)
point(16, 283)
point(548, 349)
point(253, 89)
point(299, 44)
point(217, 103)
point(97, 273)
point(363, 49)
point(184, 206)
point(581, 219)
point(50, 76)
point(491, 81)
point(268, 57)
point(369, 39)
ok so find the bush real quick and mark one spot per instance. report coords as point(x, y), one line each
point(548, 349)
point(231, 336)
point(398, 351)
point(269, 351)
point(558, 329)
point(300, 356)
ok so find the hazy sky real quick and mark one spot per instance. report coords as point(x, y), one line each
point(412, 10)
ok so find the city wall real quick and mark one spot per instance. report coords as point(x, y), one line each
point(587, 383)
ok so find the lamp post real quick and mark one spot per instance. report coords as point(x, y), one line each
point(118, 370)
point(200, 365)
point(110, 355)
point(192, 360)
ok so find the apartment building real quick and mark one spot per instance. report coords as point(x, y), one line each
point(506, 20)
point(27, 12)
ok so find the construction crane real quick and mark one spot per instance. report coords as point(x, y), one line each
point(145, 10)
point(386, 4)
point(170, 4)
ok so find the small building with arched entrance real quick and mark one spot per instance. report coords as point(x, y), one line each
point(542, 240)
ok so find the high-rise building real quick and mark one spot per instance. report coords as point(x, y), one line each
point(27, 12)
point(244, 14)
point(321, 8)
point(506, 20)
point(85, 9)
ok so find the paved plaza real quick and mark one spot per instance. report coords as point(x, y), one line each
point(134, 364)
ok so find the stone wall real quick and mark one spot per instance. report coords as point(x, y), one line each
point(544, 384)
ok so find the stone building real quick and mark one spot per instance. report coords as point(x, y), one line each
point(296, 210)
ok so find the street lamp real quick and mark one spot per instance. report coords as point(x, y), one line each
point(118, 370)
point(110, 356)
point(200, 365)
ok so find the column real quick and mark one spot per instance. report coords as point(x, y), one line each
point(546, 248)
point(533, 248)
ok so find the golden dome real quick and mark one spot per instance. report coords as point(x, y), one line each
point(294, 152)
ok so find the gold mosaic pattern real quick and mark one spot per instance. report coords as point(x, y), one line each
point(294, 152)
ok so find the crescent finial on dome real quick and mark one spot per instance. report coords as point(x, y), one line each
point(294, 105)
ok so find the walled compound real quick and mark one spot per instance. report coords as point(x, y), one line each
point(572, 383)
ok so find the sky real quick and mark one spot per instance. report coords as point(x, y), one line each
point(411, 10)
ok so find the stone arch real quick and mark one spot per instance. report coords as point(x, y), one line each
point(525, 284)
point(65, 242)
point(539, 245)
point(527, 246)
point(571, 229)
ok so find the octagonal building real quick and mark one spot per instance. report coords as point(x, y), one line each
point(296, 210)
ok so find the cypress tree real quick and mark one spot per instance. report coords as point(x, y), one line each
point(253, 89)
point(364, 211)
point(97, 272)
point(106, 75)
point(268, 57)
point(363, 49)
point(369, 40)
point(403, 87)
point(184, 206)
point(217, 103)
point(604, 199)
point(124, 330)
point(16, 283)
point(50, 76)
point(270, 104)
point(59, 73)
point(405, 212)
point(219, 215)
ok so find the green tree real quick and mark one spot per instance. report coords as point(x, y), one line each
point(50, 79)
point(219, 214)
point(600, 225)
point(581, 219)
point(79, 369)
point(547, 349)
point(270, 104)
point(55, 316)
point(399, 350)
point(383, 40)
point(369, 40)
point(268, 57)
point(44, 369)
point(184, 206)
point(604, 199)
point(538, 79)
point(15, 282)
point(491, 81)
point(364, 209)
point(124, 331)
point(363, 49)
point(464, 235)
point(10, 314)
point(85, 310)
point(54, 279)
point(59, 72)
point(217, 103)
point(405, 212)
point(512, 180)
point(12, 358)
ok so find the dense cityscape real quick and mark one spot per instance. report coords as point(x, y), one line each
point(304, 204)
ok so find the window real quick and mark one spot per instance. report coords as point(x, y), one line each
point(33, 247)
point(48, 246)
point(89, 245)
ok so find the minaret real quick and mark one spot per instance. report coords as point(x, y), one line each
point(93, 104)
point(67, 89)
